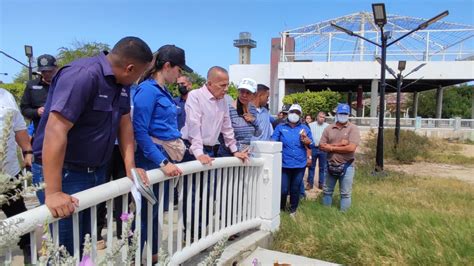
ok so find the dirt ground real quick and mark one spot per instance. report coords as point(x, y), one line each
point(461, 172)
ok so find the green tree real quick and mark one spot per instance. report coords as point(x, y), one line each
point(456, 102)
point(16, 89)
point(68, 54)
point(22, 76)
point(314, 102)
point(196, 79)
point(79, 50)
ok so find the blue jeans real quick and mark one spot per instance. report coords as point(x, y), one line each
point(345, 187)
point(321, 156)
point(291, 180)
point(73, 182)
point(37, 171)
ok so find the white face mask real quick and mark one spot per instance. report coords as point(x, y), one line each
point(342, 118)
point(293, 118)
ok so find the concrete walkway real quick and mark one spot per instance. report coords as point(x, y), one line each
point(263, 256)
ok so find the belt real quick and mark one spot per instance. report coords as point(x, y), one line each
point(73, 167)
point(205, 147)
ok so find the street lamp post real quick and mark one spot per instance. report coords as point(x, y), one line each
point(401, 67)
point(380, 19)
point(29, 54)
point(399, 78)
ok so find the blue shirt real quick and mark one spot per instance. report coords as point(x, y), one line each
point(263, 121)
point(154, 114)
point(86, 93)
point(180, 103)
point(294, 151)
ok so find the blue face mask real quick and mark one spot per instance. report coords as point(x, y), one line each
point(342, 118)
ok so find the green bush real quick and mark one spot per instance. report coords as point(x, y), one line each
point(16, 89)
point(410, 146)
point(314, 102)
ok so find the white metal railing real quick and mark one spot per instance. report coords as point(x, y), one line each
point(416, 123)
point(246, 196)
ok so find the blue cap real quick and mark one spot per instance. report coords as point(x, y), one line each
point(343, 108)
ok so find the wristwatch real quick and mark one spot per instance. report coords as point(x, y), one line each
point(164, 163)
point(310, 157)
point(27, 152)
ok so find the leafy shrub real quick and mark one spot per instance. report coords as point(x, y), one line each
point(314, 102)
point(409, 148)
point(16, 89)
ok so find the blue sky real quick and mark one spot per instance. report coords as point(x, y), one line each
point(205, 29)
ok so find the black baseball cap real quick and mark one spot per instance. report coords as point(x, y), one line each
point(173, 54)
point(46, 62)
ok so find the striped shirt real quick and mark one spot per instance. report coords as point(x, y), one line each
point(243, 130)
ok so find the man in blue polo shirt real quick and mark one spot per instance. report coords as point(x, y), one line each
point(87, 109)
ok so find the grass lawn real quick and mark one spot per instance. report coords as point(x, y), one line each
point(397, 219)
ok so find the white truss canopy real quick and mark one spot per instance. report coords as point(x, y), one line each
point(441, 41)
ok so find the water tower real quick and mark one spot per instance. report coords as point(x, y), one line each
point(245, 43)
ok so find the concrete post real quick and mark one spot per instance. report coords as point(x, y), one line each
point(439, 101)
point(269, 186)
point(416, 95)
point(418, 122)
point(359, 107)
point(472, 104)
point(457, 123)
point(281, 93)
point(349, 99)
point(374, 86)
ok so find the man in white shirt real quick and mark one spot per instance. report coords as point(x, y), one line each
point(13, 124)
point(317, 129)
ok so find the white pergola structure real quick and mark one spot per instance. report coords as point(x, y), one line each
point(317, 56)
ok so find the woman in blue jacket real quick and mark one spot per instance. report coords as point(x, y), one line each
point(295, 137)
point(155, 123)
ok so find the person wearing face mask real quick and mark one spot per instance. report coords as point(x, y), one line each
point(340, 141)
point(156, 125)
point(184, 86)
point(36, 91)
point(296, 138)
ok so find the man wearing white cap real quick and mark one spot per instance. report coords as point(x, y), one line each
point(296, 138)
point(243, 117)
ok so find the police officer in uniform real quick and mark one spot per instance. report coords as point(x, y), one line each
point(36, 91)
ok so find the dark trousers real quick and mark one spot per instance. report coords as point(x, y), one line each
point(115, 170)
point(211, 151)
point(321, 156)
point(291, 180)
point(13, 208)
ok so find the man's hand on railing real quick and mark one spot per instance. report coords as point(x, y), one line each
point(171, 170)
point(142, 173)
point(61, 204)
point(205, 159)
point(243, 156)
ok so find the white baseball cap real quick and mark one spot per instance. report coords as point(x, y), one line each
point(248, 84)
point(295, 107)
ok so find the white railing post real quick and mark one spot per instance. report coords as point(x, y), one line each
point(418, 122)
point(269, 183)
point(457, 123)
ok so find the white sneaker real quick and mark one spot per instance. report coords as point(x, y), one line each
point(293, 216)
